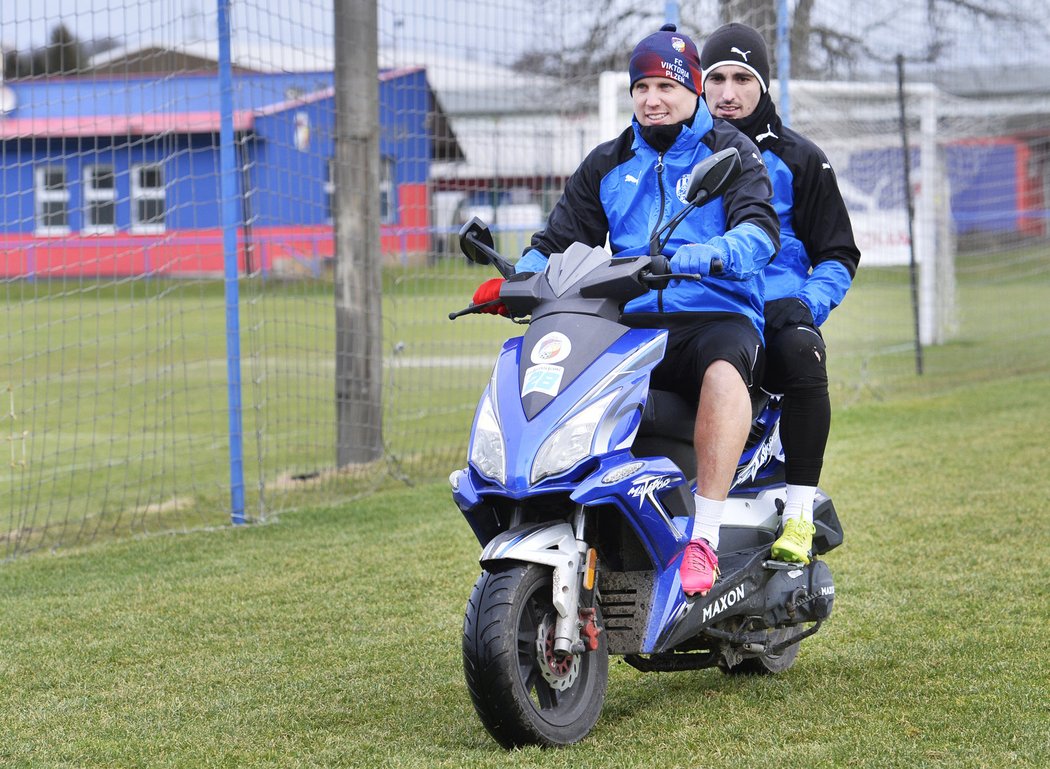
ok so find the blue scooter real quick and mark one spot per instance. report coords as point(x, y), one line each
point(579, 489)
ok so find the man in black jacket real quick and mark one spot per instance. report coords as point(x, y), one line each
point(810, 276)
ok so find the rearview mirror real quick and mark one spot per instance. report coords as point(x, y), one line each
point(713, 176)
point(475, 240)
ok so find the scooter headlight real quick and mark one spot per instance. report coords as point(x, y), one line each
point(487, 450)
point(571, 442)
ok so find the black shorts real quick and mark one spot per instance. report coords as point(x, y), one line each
point(695, 341)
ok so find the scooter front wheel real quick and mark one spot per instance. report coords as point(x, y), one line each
point(522, 692)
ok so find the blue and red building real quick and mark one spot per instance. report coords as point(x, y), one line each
point(108, 176)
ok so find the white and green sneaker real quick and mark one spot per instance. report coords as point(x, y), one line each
point(795, 543)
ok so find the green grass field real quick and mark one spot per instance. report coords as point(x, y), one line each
point(115, 396)
point(330, 638)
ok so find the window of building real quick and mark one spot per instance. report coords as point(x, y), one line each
point(148, 199)
point(52, 201)
point(329, 191)
point(387, 196)
point(387, 191)
point(100, 199)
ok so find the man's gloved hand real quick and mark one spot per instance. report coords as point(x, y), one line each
point(697, 259)
point(488, 291)
point(788, 311)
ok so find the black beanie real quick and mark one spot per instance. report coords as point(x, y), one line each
point(667, 53)
point(736, 44)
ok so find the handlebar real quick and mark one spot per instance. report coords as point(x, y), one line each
point(472, 309)
point(661, 272)
point(661, 281)
point(661, 265)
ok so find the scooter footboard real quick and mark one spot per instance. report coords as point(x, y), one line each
point(769, 593)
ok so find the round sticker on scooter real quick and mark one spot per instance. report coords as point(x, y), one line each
point(552, 348)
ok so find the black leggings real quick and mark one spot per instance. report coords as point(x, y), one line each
point(796, 366)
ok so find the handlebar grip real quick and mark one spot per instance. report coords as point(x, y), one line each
point(661, 265)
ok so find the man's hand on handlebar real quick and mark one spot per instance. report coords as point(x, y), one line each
point(697, 259)
point(489, 292)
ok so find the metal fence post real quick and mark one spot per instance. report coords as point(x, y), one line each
point(358, 284)
point(784, 59)
point(230, 208)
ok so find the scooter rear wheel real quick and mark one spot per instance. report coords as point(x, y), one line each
point(768, 664)
point(523, 694)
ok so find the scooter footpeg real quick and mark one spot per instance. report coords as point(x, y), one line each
point(782, 565)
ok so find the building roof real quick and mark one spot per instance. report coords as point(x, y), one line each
point(138, 106)
point(145, 105)
point(166, 56)
point(69, 126)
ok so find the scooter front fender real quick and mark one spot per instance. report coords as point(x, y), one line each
point(548, 544)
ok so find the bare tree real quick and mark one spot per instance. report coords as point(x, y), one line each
point(11, 65)
point(64, 52)
point(822, 50)
point(819, 49)
point(605, 45)
point(760, 14)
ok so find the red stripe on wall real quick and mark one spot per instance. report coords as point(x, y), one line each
point(412, 233)
point(182, 253)
point(1029, 194)
point(200, 252)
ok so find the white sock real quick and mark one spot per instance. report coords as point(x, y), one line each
point(708, 519)
point(799, 502)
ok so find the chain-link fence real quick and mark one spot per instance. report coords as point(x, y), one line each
point(114, 244)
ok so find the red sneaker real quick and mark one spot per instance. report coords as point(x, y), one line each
point(699, 568)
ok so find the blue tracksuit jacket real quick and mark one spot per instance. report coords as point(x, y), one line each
point(625, 190)
point(818, 256)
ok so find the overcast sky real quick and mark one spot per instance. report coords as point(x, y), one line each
point(27, 23)
point(483, 29)
point(487, 30)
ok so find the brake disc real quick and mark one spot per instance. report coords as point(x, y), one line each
point(560, 673)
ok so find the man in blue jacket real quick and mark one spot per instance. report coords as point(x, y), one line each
point(622, 193)
point(812, 272)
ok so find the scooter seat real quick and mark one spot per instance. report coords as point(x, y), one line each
point(667, 415)
point(667, 424)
